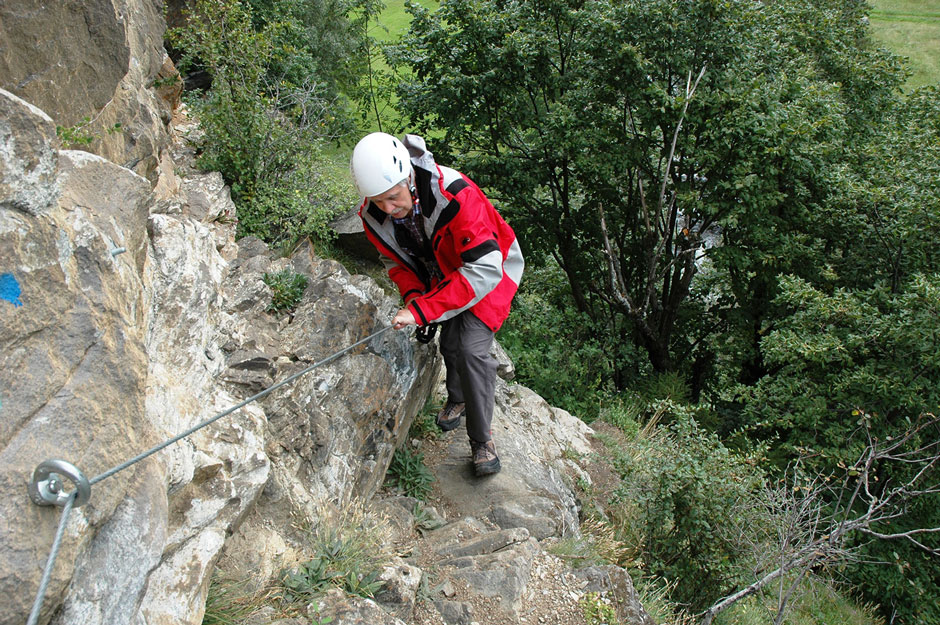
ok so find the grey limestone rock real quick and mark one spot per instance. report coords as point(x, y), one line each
point(28, 158)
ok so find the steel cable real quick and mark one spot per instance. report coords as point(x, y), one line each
point(229, 411)
point(50, 562)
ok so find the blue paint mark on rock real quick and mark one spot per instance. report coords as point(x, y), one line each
point(10, 289)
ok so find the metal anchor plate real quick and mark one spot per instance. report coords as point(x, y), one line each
point(45, 489)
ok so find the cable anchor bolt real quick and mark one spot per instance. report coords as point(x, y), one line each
point(45, 489)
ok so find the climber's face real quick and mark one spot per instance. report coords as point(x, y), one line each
point(395, 202)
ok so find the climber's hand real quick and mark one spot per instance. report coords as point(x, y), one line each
point(403, 318)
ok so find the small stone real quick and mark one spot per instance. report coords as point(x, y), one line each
point(448, 589)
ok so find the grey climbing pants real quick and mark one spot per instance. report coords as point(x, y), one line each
point(471, 371)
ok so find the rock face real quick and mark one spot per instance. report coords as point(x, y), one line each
point(129, 314)
point(72, 346)
point(28, 158)
point(94, 60)
point(472, 562)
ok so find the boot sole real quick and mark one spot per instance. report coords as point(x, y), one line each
point(487, 468)
point(447, 426)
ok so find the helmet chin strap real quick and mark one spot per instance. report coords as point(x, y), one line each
point(415, 200)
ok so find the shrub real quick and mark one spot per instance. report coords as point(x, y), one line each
point(681, 504)
point(263, 133)
point(557, 351)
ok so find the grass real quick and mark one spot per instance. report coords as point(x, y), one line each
point(817, 603)
point(345, 549)
point(227, 603)
point(409, 474)
point(396, 19)
point(911, 28)
point(596, 545)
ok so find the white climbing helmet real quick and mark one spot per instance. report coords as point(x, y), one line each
point(379, 162)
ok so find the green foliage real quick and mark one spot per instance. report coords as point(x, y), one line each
point(817, 603)
point(533, 93)
point(682, 496)
point(76, 135)
point(846, 360)
point(408, 472)
point(654, 597)
point(349, 552)
point(424, 425)
point(287, 289)
point(81, 133)
point(314, 577)
point(883, 223)
point(559, 352)
point(314, 44)
point(842, 354)
point(227, 603)
point(263, 133)
point(597, 610)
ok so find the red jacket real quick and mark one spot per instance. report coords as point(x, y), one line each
point(475, 248)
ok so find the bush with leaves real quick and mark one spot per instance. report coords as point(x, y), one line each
point(559, 352)
point(680, 497)
point(847, 359)
point(263, 133)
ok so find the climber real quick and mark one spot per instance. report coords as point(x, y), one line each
point(456, 263)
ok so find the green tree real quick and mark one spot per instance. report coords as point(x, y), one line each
point(836, 356)
point(678, 122)
point(884, 225)
point(849, 359)
point(321, 41)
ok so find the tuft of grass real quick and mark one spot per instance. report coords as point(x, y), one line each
point(654, 597)
point(228, 604)
point(598, 544)
point(287, 289)
point(409, 474)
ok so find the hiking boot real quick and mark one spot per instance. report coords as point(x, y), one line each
point(485, 460)
point(449, 416)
